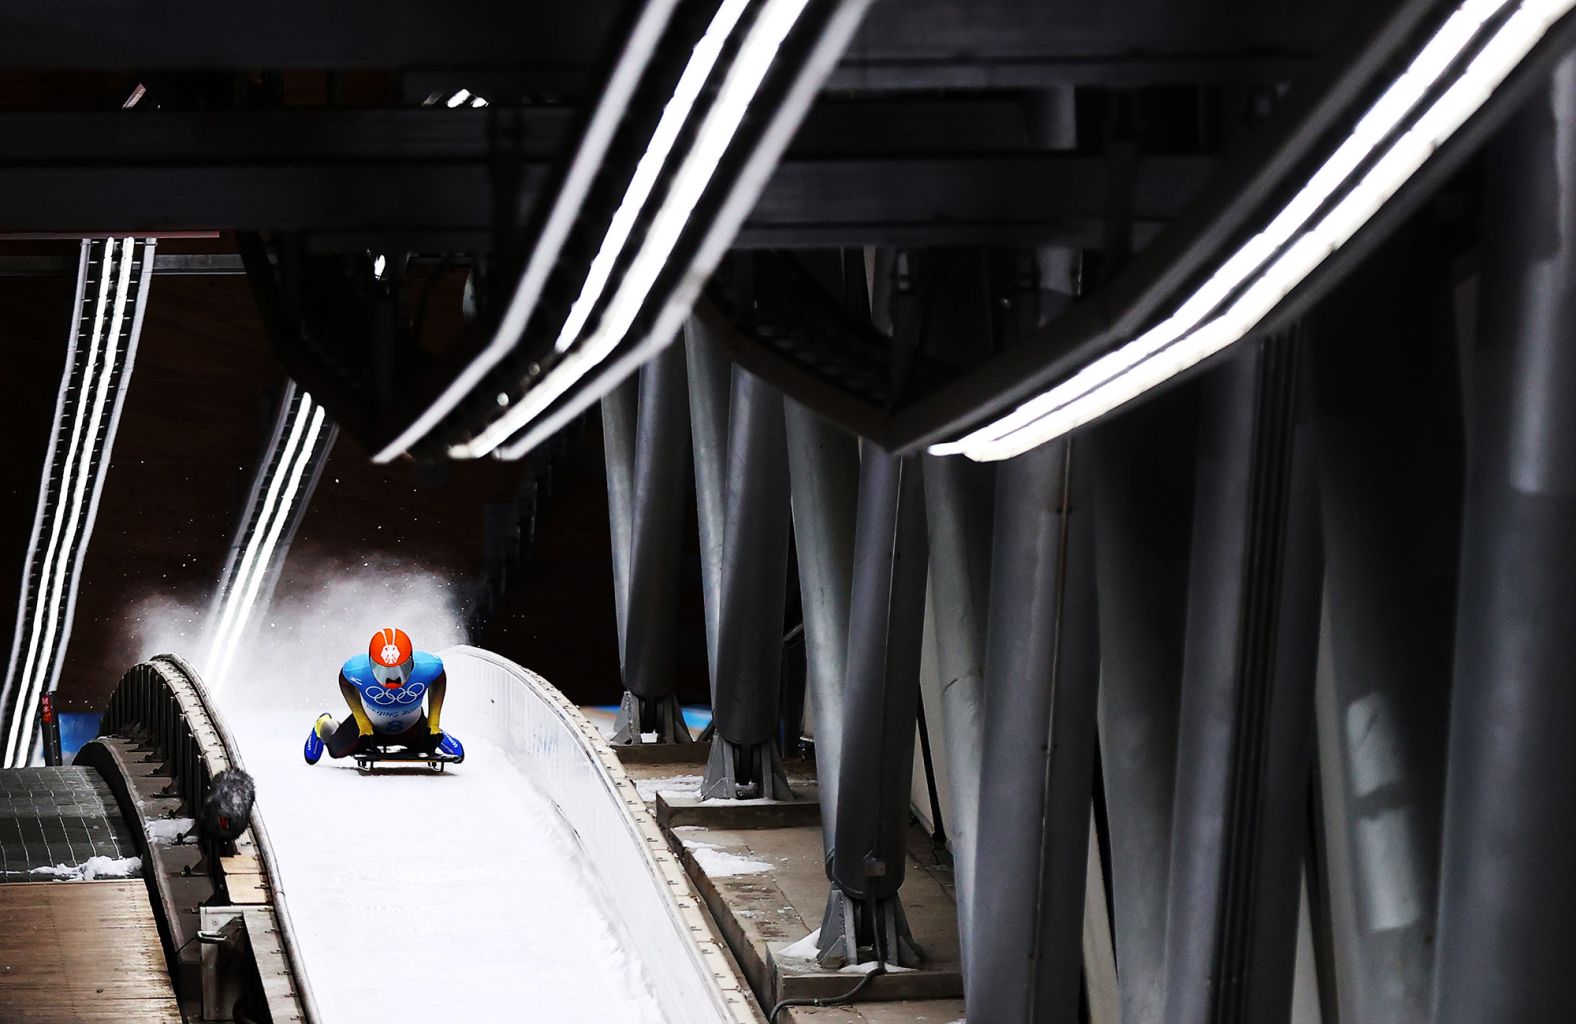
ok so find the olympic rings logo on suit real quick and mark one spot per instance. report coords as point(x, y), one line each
point(385, 697)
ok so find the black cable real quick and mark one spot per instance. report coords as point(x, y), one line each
point(847, 997)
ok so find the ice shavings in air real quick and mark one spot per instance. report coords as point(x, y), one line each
point(92, 868)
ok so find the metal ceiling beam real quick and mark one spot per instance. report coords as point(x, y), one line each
point(425, 176)
point(1273, 161)
point(904, 45)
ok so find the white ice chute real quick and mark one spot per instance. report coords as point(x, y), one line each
point(111, 296)
point(300, 443)
point(1371, 164)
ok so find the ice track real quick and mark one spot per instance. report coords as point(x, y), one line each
point(457, 897)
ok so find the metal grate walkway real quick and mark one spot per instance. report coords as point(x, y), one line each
point(53, 821)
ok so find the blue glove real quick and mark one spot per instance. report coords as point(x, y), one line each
point(451, 746)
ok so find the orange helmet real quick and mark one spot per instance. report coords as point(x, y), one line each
point(392, 656)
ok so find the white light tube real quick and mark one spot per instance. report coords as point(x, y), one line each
point(1178, 342)
point(1142, 364)
point(721, 122)
point(230, 623)
point(631, 66)
point(677, 111)
point(51, 549)
point(226, 655)
point(73, 489)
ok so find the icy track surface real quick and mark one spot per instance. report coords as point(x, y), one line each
point(434, 898)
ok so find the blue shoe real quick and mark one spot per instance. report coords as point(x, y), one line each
point(451, 746)
point(314, 740)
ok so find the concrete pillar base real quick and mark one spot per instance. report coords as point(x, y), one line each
point(855, 930)
point(661, 716)
point(752, 771)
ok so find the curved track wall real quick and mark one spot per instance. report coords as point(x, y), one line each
point(655, 909)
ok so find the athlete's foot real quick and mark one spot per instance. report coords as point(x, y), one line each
point(321, 730)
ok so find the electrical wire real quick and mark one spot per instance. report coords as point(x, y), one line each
point(848, 997)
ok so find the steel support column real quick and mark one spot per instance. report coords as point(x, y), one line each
point(619, 413)
point(1037, 773)
point(1247, 690)
point(1142, 465)
point(744, 760)
point(823, 464)
point(709, 387)
point(958, 510)
point(1390, 465)
point(1507, 888)
point(656, 544)
point(864, 915)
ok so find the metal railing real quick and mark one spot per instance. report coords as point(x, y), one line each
point(162, 703)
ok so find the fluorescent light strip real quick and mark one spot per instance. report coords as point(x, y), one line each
point(703, 58)
point(631, 66)
point(226, 654)
point(740, 198)
point(64, 407)
point(721, 122)
point(1377, 124)
point(74, 410)
point(73, 489)
point(231, 622)
point(1483, 73)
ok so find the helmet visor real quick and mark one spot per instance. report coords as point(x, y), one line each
point(396, 675)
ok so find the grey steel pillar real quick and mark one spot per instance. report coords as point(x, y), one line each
point(1143, 467)
point(655, 548)
point(1042, 667)
point(823, 464)
point(1390, 480)
point(709, 387)
point(1247, 688)
point(864, 915)
point(619, 412)
point(1507, 885)
point(744, 760)
point(959, 505)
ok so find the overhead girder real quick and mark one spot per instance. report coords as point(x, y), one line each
point(553, 46)
point(869, 173)
point(1232, 207)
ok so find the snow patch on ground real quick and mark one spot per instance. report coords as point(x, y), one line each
point(161, 830)
point(720, 863)
point(685, 785)
point(804, 949)
point(93, 867)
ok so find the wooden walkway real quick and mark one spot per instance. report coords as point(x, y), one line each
point(82, 952)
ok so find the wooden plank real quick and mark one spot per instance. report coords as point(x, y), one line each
point(82, 952)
